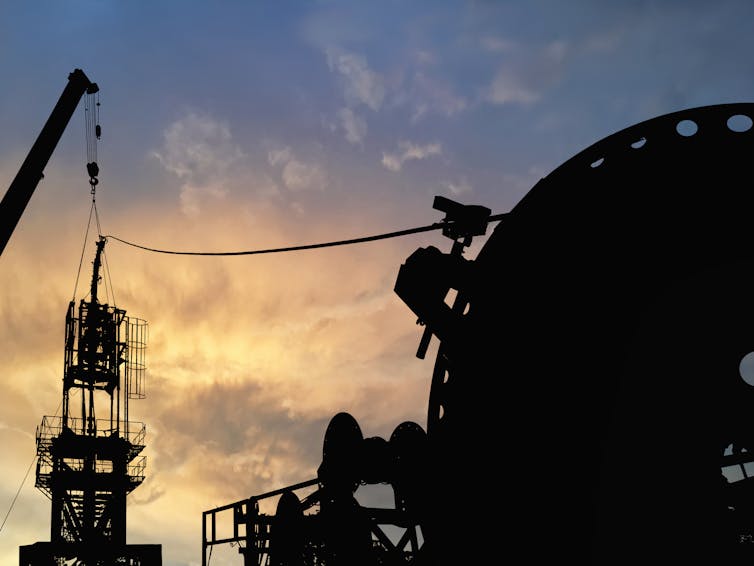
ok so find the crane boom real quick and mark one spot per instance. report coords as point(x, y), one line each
point(19, 193)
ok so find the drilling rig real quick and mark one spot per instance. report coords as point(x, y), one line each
point(88, 462)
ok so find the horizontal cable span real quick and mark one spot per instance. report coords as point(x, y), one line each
point(435, 226)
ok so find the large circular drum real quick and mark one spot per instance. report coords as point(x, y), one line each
point(594, 390)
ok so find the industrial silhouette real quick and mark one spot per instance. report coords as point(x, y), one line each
point(88, 465)
point(25, 182)
point(586, 403)
point(586, 398)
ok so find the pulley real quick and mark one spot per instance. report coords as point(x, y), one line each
point(93, 170)
point(287, 533)
point(342, 440)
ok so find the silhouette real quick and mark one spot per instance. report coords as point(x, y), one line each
point(586, 396)
point(593, 385)
point(31, 172)
point(85, 465)
point(328, 525)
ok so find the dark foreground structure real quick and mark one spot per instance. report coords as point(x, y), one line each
point(587, 403)
point(88, 465)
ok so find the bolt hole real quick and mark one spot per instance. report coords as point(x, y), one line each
point(639, 143)
point(739, 123)
point(597, 163)
point(746, 368)
point(686, 128)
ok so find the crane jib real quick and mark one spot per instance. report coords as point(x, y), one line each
point(31, 172)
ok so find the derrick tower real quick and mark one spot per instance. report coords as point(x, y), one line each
point(88, 463)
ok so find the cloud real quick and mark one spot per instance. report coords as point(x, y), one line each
point(262, 185)
point(360, 83)
point(420, 90)
point(197, 147)
point(507, 87)
point(423, 90)
point(460, 188)
point(300, 176)
point(278, 156)
point(391, 161)
point(496, 44)
point(191, 197)
point(150, 492)
point(525, 76)
point(361, 86)
point(297, 175)
point(425, 57)
point(200, 151)
point(428, 94)
point(408, 151)
point(354, 126)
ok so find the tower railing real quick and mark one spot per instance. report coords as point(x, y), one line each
point(52, 427)
point(137, 332)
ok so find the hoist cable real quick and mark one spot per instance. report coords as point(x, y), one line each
point(99, 232)
point(104, 279)
point(91, 120)
point(109, 278)
point(83, 248)
point(97, 130)
point(87, 127)
point(92, 131)
point(23, 481)
point(96, 216)
point(435, 226)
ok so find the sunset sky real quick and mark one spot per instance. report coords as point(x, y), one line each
point(235, 125)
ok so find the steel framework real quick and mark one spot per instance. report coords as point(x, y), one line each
point(88, 465)
point(326, 525)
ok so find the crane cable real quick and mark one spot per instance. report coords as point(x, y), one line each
point(93, 131)
point(18, 492)
point(23, 481)
point(83, 248)
point(435, 226)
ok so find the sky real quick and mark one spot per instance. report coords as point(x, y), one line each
point(236, 125)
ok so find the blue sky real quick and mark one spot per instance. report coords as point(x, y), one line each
point(240, 125)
